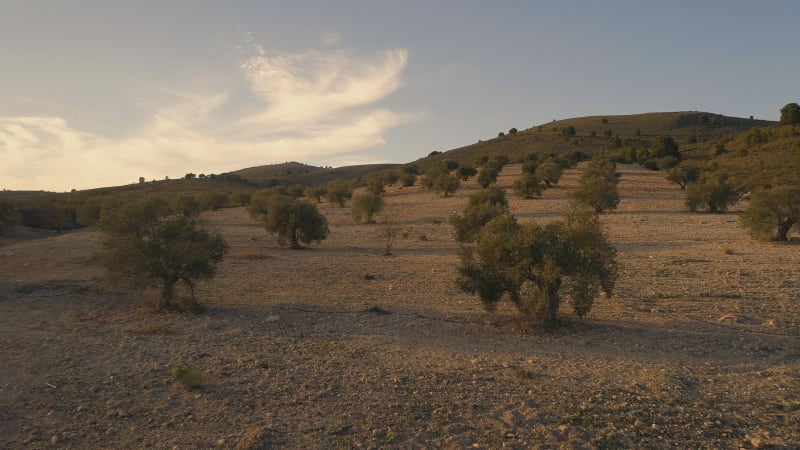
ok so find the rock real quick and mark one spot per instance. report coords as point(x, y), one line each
point(54, 439)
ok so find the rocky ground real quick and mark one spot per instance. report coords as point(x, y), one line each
point(338, 346)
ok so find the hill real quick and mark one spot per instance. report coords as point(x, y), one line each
point(597, 133)
point(292, 173)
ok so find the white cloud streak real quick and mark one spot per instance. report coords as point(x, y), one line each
point(313, 106)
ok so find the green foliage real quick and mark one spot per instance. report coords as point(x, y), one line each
point(465, 172)
point(391, 177)
point(187, 205)
point(294, 220)
point(772, 213)
point(144, 246)
point(8, 217)
point(314, 193)
point(482, 207)
point(683, 175)
point(189, 378)
point(568, 131)
point(88, 214)
point(338, 192)
point(213, 201)
point(756, 136)
point(599, 193)
point(408, 179)
point(713, 195)
point(440, 180)
point(597, 187)
point(527, 186)
point(664, 146)
point(549, 172)
point(366, 205)
point(375, 184)
point(488, 176)
point(790, 114)
point(666, 163)
point(535, 265)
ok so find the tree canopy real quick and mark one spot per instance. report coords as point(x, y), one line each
point(535, 265)
point(145, 246)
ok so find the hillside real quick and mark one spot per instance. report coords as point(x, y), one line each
point(292, 173)
point(597, 133)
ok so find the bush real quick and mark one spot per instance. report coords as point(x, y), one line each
point(375, 184)
point(488, 176)
point(213, 201)
point(409, 179)
point(534, 266)
point(144, 246)
point(366, 205)
point(549, 172)
point(187, 205)
point(8, 217)
point(599, 193)
point(683, 175)
point(440, 180)
point(527, 186)
point(790, 114)
point(294, 220)
point(772, 213)
point(314, 194)
point(664, 146)
point(391, 177)
point(338, 192)
point(714, 195)
point(465, 172)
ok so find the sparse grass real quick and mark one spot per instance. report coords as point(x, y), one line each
point(378, 310)
point(188, 377)
point(160, 328)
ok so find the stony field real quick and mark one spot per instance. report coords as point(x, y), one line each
point(339, 346)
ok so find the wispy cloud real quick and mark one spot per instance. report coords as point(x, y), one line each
point(314, 106)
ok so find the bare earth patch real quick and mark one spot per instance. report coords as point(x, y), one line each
point(338, 346)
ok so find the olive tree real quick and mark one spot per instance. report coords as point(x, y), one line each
point(714, 195)
point(772, 213)
point(145, 246)
point(535, 265)
point(597, 187)
point(294, 220)
point(338, 192)
point(549, 172)
point(683, 175)
point(790, 114)
point(365, 206)
point(527, 186)
point(440, 180)
point(599, 193)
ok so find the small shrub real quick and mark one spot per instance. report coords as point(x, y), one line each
point(189, 378)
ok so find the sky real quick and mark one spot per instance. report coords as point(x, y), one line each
point(100, 93)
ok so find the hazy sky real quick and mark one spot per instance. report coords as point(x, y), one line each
point(99, 93)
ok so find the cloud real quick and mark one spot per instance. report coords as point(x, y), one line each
point(313, 86)
point(331, 39)
point(312, 106)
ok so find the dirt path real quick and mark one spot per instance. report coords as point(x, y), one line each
point(338, 346)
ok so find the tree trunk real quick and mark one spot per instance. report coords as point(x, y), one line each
point(783, 231)
point(166, 294)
